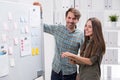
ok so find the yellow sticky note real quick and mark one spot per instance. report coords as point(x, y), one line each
point(33, 51)
point(37, 51)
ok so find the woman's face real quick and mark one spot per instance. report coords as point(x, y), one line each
point(88, 29)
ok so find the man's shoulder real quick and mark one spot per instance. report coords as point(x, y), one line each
point(78, 31)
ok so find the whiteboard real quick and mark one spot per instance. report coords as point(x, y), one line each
point(22, 39)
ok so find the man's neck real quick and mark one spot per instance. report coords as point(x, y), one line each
point(72, 29)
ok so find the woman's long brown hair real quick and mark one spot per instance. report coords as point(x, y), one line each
point(97, 41)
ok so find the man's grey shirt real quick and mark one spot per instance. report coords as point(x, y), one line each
point(65, 42)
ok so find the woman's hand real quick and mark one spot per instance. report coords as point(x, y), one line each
point(67, 54)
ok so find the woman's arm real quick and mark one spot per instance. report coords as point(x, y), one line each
point(76, 58)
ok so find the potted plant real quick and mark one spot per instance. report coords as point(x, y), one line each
point(113, 18)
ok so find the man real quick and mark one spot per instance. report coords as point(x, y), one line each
point(67, 38)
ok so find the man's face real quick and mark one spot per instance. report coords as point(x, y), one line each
point(71, 20)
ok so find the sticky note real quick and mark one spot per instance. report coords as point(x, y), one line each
point(12, 62)
point(26, 29)
point(10, 50)
point(15, 41)
point(33, 51)
point(4, 37)
point(10, 17)
point(37, 51)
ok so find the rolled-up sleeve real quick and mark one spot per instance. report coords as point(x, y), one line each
point(93, 59)
point(97, 57)
point(50, 28)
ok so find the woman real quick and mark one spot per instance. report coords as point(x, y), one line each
point(91, 52)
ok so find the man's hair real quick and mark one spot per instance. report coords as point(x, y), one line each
point(75, 12)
